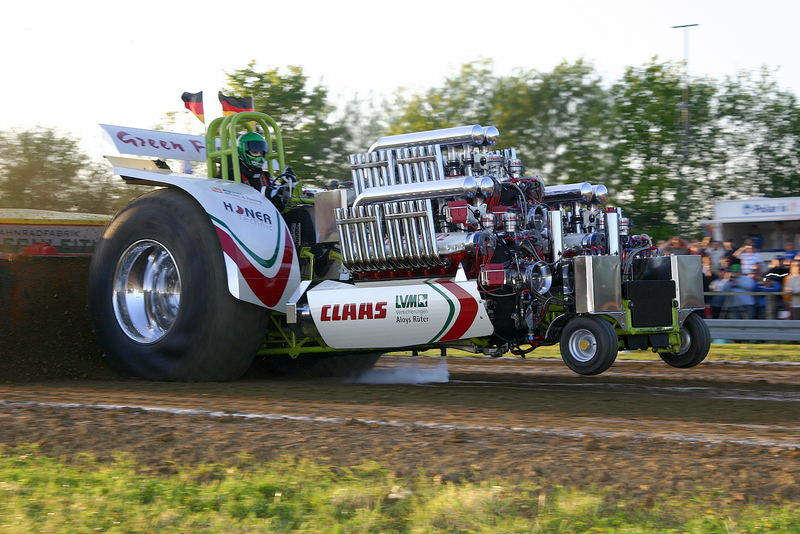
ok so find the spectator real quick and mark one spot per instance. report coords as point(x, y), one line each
point(729, 249)
point(695, 249)
point(676, 245)
point(788, 250)
point(715, 252)
point(744, 284)
point(708, 278)
point(765, 285)
point(792, 285)
point(777, 269)
point(722, 305)
point(756, 239)
point(749, 257)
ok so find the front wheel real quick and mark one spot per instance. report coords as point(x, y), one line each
point(695, 344)
point(589, 345)
point(159, 299)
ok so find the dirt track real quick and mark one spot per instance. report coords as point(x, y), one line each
point(642, 428)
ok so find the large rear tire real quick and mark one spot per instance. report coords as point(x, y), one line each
point(589, 345)
point(159, 299)
point(695, 344)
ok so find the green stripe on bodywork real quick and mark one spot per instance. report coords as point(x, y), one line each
point(449, 317)
point(261, 261)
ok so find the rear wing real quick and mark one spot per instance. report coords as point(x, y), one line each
point(221, 134)
point(156, 143)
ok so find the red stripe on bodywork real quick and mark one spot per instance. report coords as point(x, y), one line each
point(268, 290)
point(467, 313)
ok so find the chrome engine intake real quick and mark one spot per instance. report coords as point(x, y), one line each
point(393, 235)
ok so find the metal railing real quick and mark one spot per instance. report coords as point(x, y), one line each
point(766, 327)
point(772, 301)
point(754, 330)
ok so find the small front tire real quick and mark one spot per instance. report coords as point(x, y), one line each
point(589, 345)
point(695, 344)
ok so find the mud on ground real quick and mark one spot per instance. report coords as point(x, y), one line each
point(642, 429)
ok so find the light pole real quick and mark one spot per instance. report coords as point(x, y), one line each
point(684, 113)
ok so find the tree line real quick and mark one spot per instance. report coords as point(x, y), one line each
point(663, 161)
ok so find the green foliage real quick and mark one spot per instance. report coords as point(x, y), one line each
point(556, 119)
point(739, 137)
point(42, 494)
point(761, 135)
point(660, 167)
point(313, 143)
point(42, 169)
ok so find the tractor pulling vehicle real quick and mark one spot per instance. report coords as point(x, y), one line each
point(441, 241)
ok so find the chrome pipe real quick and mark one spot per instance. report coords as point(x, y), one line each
point(360, 240)
point(384, 176)
point(475, 242)
point(438, 163)
point(599, 194)
point(555, 227)
point(445, 136)
point(393, 254)
point(465, 186)
point(580, 192)
point(612, 232)
point(402, 230)
point(377, 236)
point(354, 173)
point(375, 171)
point(490, 134)
point(344, 239)
point(431, 231)
point(407, 234)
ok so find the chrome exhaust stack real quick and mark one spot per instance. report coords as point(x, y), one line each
point(464, 187)
point(474, 135)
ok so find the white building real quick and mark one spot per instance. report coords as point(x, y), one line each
point(776, 219)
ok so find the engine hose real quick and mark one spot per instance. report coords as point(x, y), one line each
point(524, 204)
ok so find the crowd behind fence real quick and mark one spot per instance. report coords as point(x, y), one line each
point(743, 282)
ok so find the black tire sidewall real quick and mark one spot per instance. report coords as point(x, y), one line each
point(699, 347)
point(607, 345)
point(199, 345)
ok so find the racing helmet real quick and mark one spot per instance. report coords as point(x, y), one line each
point(252, 150)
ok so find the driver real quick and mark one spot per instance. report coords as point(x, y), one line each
point(252, 149)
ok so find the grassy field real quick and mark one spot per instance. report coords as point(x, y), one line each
point(41, 494)
point(719, 352)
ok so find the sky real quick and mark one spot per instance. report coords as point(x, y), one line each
point(74, 64)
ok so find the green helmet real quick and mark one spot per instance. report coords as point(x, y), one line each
point(252, 150)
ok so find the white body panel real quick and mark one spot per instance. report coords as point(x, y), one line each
point(260, 257)
point(397, 313)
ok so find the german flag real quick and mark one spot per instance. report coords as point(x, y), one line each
point(231, 104)
point(194, 103)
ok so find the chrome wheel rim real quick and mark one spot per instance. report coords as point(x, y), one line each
point(686, 341)
point(147, 291)
point(582, 345)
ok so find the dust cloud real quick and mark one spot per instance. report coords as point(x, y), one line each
point(406, 371)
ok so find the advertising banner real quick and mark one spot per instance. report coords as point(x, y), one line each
point(32, 232)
